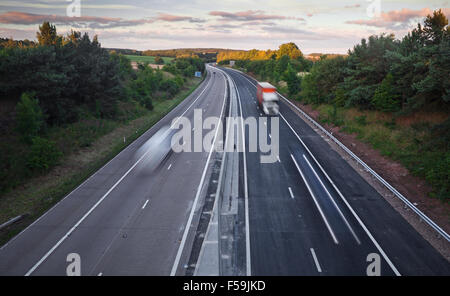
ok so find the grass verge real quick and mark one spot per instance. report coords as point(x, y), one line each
point(411, 140)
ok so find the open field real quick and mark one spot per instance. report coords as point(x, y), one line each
point(146, 59)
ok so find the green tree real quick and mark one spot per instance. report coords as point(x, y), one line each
point(386, 98)
point(282, 64)
point(171, 86)
point(159, 60)
point(292, 79)
point(366, 68)
point(47, 35)
point(309, 93)
point(435, 27)
point(340, 98)
point(29, 117)
point(433, 61)
point(290, 49)
point(43, 154)
point(326, 77)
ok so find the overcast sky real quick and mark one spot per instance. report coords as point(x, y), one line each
point(315, 26)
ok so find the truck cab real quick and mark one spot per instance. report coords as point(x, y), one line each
point(267, 98)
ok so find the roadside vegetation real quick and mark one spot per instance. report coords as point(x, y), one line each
point(280, 67)
point(394, 94)
point(62, 96)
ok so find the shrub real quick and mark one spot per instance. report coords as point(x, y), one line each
point(43, 154)
point(385, 98)
point(334, 117)
point(438, 175)
point(339, 97)
point(159, 60)
point(293, 81)
point(179, 80)
point(361, 120)
point(189, 71)
point(171, 86)
point(29, 117)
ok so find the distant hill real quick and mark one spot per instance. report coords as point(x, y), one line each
point(125, 51)
point(209, 54)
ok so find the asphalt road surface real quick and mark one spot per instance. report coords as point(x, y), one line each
point(123, 220)
point(308, 213)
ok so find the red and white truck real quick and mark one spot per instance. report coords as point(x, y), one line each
point(267, 98)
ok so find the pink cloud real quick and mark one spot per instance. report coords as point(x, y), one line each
point(16, 17)
point(23, 18)
point(250, 15)
point(176, 18)
point(353, 6)
point(388, 19)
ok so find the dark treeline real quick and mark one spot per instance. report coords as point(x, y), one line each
point(387, 74)
point(186, 66)
point(9, 42)
point(61, 81)
point(63, 73)
point(73, 72)
point(400, 78)
point(206, 54)
point(283, 64)
point(124, 51)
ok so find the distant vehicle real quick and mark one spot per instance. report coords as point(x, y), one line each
point(267, 98)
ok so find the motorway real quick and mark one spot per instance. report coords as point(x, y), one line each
point(311, 213)
point(308, 213)
point(122, 220)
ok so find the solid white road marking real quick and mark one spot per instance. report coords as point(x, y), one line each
point(290, 192)
point(197, 196)
point(361, 223)
point(170, 165)
point(247, 222)
point(32, 269)
point(145, 204)
point(316, 202)
point(315, 260)
point(334, 202)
